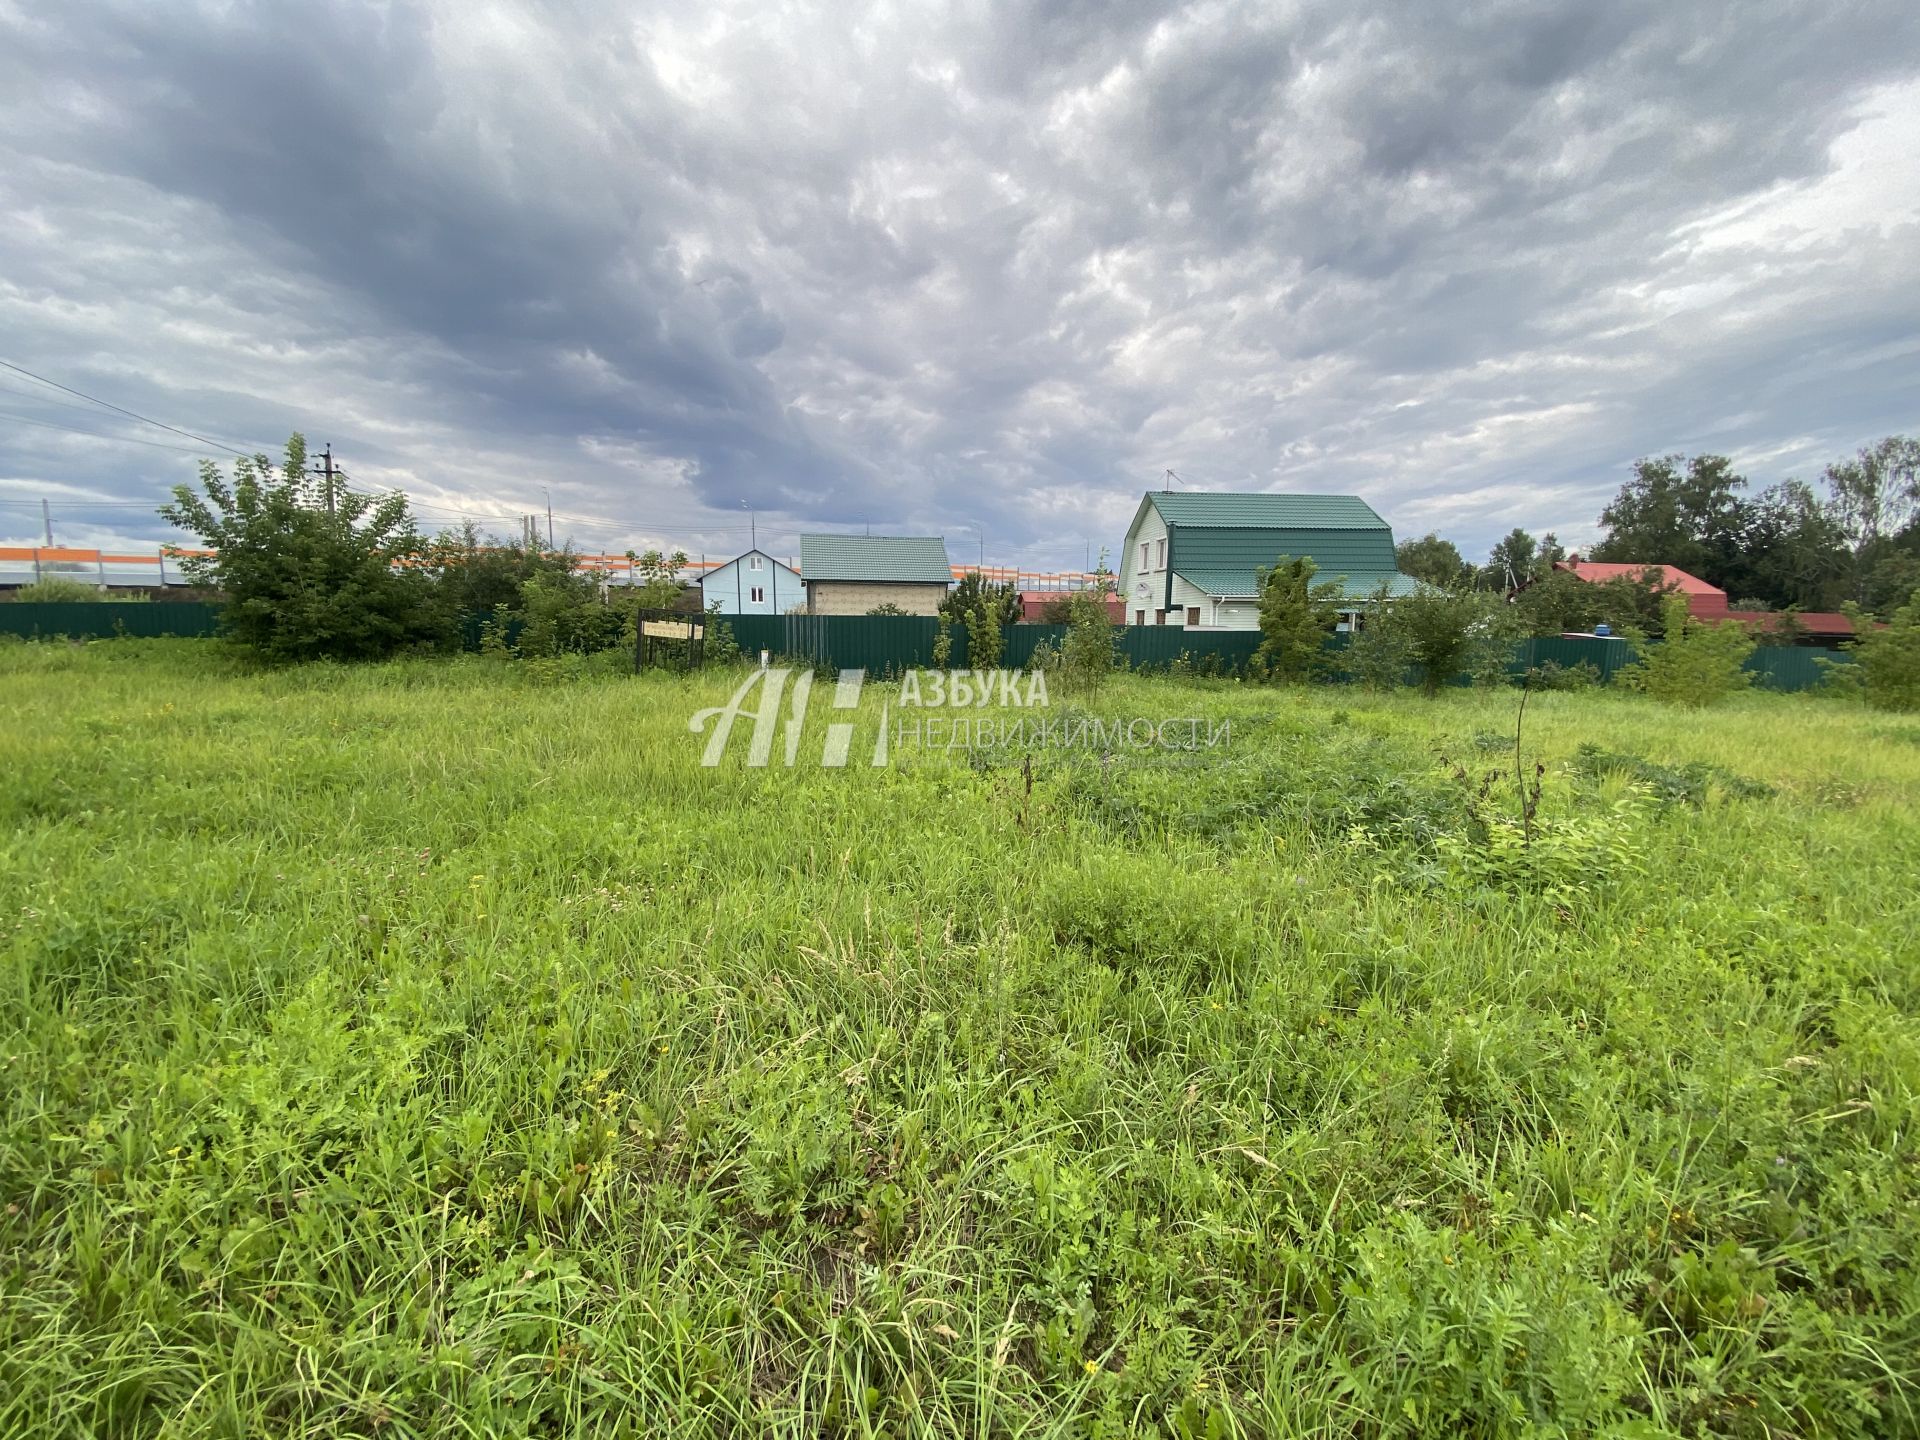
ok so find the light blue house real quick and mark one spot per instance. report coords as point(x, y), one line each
point(752, 584)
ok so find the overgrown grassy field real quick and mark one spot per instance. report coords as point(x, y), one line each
point(421, 1050)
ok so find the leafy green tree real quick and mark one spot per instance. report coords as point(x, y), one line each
point(567, 614)
point(983, 609)
point(1697, 663)
point(1558, 603)
point(1894, 578)
point(477, 573)
point(661, 586)
point(889, 608)
point(1887, 658)
point(721, 647)
point(1439, 626)
point(1491, 642)
point(1296, 616)
point(1001, 603)
point(1676, 511)
point(1436, 561)
point(984, 637)
point(1876, 492)
point(1514, 560)
point(1781, 545)
point(1087, 651)
point(1376, 656)
point(1791, 551)
point(307, 574)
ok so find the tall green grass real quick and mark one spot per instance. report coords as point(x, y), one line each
point(416, 1050)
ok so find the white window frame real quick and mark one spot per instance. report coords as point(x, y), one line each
point(753, 562)
point(1160, 555)
point(758, 595)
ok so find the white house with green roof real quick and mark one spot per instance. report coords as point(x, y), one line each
point(1193, 558)
point(853, 574)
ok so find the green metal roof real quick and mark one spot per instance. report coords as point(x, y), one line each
point(1257, 510)
point(1336, 551)
point(1242, 582)
point(919, 559)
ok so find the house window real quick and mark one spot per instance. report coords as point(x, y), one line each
point(1193, 614)
point(1145, 551)
point(758, 594)
point(1160, 555)
point(753, 562)
point(1159, 617)
point(1139, 617)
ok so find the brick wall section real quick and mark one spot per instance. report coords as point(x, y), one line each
point(857, 597)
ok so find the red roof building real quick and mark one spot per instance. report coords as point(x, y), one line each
point(1034, 603)
point(1709, 602)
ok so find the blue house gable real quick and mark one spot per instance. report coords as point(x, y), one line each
point(752, 584)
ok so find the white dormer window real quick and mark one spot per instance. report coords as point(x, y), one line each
point(753, 562)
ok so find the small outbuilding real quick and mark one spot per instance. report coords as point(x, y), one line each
point(853, 574)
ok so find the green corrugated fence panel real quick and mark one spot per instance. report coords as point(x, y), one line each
point(473, 629)
point(1607, 655)
point(881, 644)
point(1792, 667)
point(1154, 647)
point(107, 618)
point(878, 644)
point(1023, 639)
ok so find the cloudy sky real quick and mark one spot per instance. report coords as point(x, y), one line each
point(941, 269)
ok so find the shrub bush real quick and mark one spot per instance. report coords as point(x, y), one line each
point(65, 590)
point(1697, 664)
point(1887, 661)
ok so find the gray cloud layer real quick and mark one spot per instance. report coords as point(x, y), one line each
point(930, 269)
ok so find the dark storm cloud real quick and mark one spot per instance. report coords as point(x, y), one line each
point(998, 268)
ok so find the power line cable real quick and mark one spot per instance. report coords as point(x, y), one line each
point(83, 504)
point(121, 409)
point(40, 397)
point(95, 434)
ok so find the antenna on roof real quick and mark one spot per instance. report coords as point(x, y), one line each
point(1177, 481)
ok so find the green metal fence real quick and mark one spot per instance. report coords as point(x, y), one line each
point(883, 644)
point(878, 644)
point(1606, 655)
point(1155, 647)
point(1792, 667)
point(888, 644)
point(105, 618)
